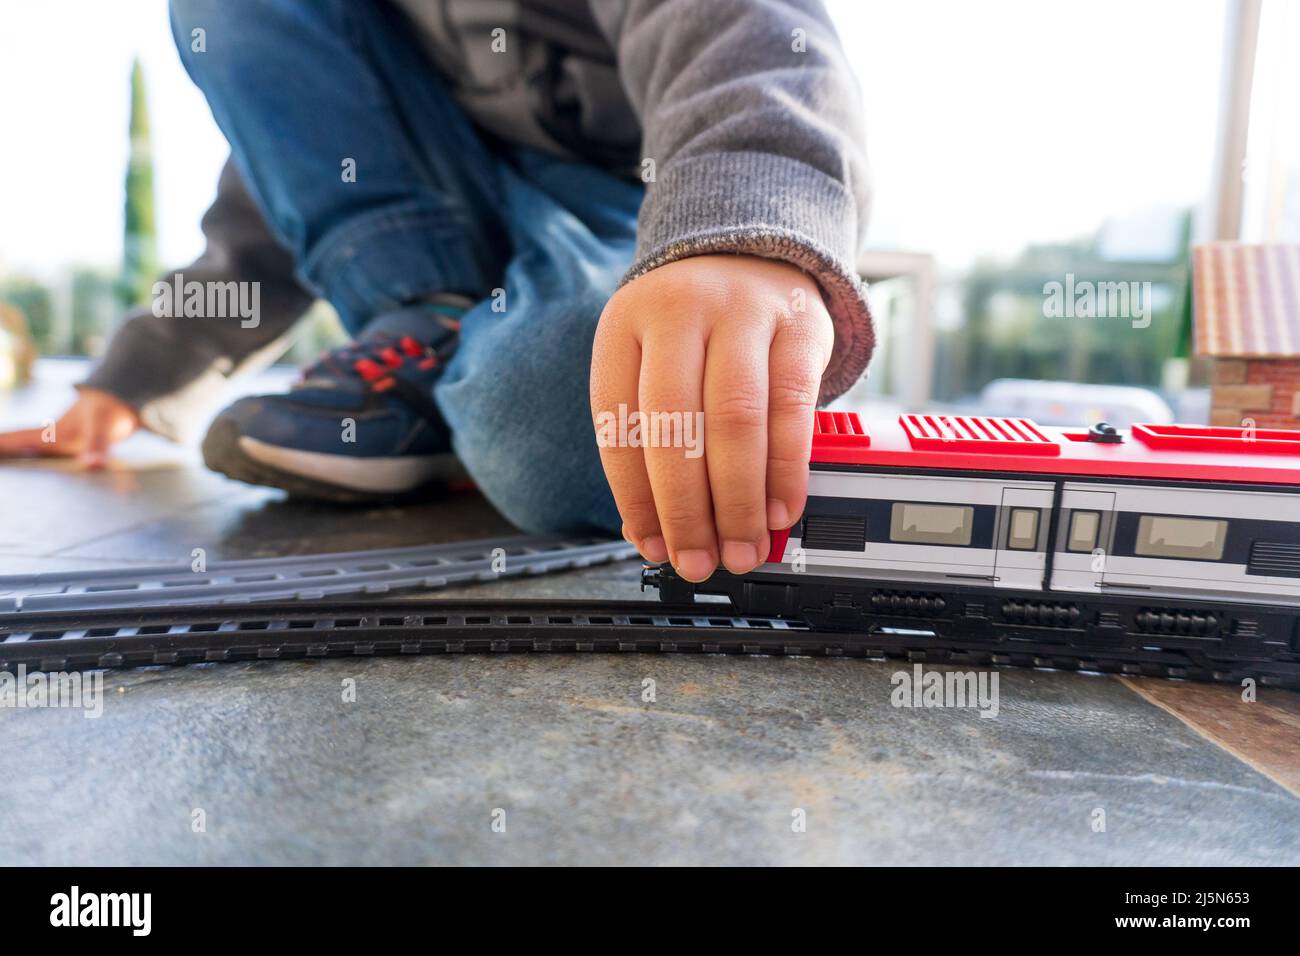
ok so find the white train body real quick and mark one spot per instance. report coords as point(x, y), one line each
point(1174, 546)
point(1151, 539)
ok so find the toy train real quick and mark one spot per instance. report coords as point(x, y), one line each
point(1004, 530)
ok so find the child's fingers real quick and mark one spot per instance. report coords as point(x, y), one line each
point(794, 370)
point(28, 441)
point(672, 375)
point(99, 425)
point(615, 371)
point(735, 415)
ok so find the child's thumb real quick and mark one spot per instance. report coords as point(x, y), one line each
point(98, 439)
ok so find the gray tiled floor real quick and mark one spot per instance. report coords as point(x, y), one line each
point(584, 769)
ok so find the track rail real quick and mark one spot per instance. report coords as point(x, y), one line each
point(128, 637)
point(306, 577)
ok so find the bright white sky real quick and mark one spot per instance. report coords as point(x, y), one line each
point(65, 70)
point(991, 123)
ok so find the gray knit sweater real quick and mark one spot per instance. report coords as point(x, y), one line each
point(747, 107)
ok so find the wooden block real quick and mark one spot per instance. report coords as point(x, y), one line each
point(1243, 396)
point(1226, 417)
point(1295, 404)
point(1229, 372)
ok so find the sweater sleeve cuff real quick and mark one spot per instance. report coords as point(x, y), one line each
point(173, 387)
point(136, 368)
point(760, 204)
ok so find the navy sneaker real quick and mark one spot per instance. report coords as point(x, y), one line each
point(360, 424)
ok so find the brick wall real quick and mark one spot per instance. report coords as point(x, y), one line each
point(1264, 390)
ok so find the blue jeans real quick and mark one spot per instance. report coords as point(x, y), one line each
point(304, 90)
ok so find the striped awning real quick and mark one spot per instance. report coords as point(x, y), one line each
point(1247, 300)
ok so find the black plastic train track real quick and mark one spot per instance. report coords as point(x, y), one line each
point(131, 637)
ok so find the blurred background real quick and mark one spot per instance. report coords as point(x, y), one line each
point(1013, 144)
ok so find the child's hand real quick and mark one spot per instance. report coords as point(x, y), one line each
point(744, 340)
point(95, 422)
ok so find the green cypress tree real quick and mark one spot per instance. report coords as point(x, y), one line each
point(140, 240)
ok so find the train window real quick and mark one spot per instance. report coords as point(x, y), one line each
point(931, 524)
point(1084, 526)
point(1022, 534)
point(1163, 536)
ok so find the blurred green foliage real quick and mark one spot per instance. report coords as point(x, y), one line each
point(1005, 333)
point(140, 239)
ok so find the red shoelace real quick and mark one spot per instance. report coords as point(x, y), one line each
point(375, 359)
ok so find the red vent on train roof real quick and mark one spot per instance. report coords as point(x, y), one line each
point(997, 436)
point(1230, 441)
point(840, 430)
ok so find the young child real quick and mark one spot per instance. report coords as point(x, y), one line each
point(530, 216)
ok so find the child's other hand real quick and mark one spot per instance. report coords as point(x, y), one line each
point(745, 341)
point(95, 422)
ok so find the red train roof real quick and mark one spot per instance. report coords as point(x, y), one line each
point(973, 443)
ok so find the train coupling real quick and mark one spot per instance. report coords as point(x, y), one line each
point(651, 576)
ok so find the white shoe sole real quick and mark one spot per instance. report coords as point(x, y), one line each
point(370, 475)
